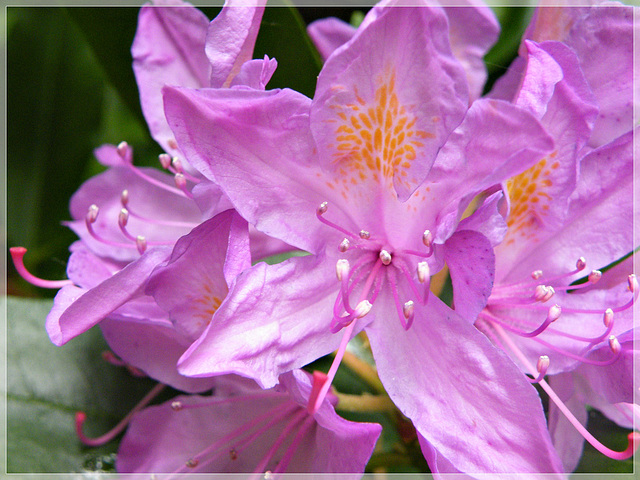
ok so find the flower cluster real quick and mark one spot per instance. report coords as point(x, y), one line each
point(398, 168)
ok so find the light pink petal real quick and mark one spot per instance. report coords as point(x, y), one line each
point(154, 349)
point(463, 395)
point(327, 34)
point(193, 284)
point(97, 303)
point(231, 37)
point(471, 262)
point(169, 49)
point(256, 145)
point(275, 319)
point(386, 102)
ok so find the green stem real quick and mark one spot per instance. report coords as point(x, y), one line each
point(364, 403)
point(364, 371)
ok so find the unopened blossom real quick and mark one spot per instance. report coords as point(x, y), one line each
point(242, 428)
point(372, 177)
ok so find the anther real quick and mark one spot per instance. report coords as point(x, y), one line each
point(423, 272)
point(141, 244)
point(543, 364)
point(541, 292)
point(172, 143)
point(365, 235)
point(122, 149)
point(92, 214)
point(123, 217)
point(427, 238)
point(385, 257)
point(342, 268)
point(608, 317)
point(633, 283)
point(176, 406)
point(177, 164)
point(408, 310)
point(124, 198)
point(233, 455)
point(581, 263)
point(554, 313)
point(192, 463)
point(181, 182)
point(614, 344)
point(344, 245)
point(165, 160)
point(595, 275)
point(362, 309)
point(322, 209)
point(536, 274)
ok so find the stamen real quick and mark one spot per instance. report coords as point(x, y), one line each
point(536, 274)
point(192, 463)
point(181, 183)
point(614, 344)
point(124, 198)
point(124, 151)
point(424, 273)
point(279, 441)
point(408, 310)
point(581, 264)
point(344, 245)
point(90, 219)
point(165, 160)
point(17, 255)
point(427, 238)
point(633, 284)
point(342, 268)
point(633, 437)
point(542, 366)
point(385, 257)
point(176, 406)
point(321, 210)
point(365, 235)
point(141, 244)
point(81, 417)
point(595, 276)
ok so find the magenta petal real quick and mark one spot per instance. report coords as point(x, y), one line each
point(234, 430)
point(257, 147)
point(230, 39)
point(154, 349)
point(99, 302)
point(276, 318)
point(328, 34)
point(463, 395)
point(168, 50)
point(193, 284)
point(396, 74)
point(255, 74)
point(472, 265)
point(473, 30)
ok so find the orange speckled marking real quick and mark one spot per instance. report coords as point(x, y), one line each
point(207, 305)
point(376, 140)
point(529, 195)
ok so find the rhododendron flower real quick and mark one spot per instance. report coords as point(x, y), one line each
point(391, 146)
point(560, 222)
point(241, 428)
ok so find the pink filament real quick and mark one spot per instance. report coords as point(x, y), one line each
point(633, 437)
point(111, 434)
point(17, 255)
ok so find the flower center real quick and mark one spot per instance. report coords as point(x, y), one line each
point(376, 266)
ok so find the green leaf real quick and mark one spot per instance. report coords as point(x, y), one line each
point(46, 385)
point(283, 36)
point(109, 32)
